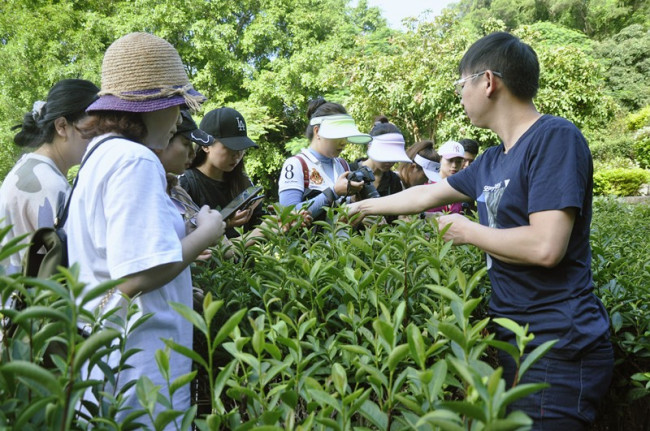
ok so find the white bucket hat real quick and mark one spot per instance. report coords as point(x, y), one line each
point(388, 147)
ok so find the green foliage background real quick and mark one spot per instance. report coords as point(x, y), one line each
point(268, 58)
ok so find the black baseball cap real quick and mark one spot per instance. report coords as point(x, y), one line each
point(228, 127)
point(191, 131)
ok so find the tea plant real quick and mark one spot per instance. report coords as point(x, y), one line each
point(43, 356)
point(348, 329)
point(621, 270)
point(384, 328)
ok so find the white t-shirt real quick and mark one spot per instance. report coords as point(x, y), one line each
point(29, 199)
point(121, 221)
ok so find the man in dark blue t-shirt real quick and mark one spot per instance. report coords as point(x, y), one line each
point(534, 194)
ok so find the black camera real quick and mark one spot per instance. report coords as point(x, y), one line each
point(365, 175)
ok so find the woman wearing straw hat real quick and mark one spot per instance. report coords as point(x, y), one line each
point(36, 187)
point(122, 224)
point(318, 176)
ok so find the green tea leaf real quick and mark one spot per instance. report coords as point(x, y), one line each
point(324, 398)
point(191, 316)
point(445, 292)
point(39, 312)
point(162, 359)
point(453, 333)
point(339, 378)
point(32, 372)
point(443, 419)
point(290, 398)
point(384, 330)
point(397, 355)
point(181, 381)
point(511, 325)
point(520, 391)
point(165, 417)
point(185, 351)
point(465, 408)
point(416, 344)
point(535, 355)
point(229, 326)
point(506, 347)
point(374, 415)
point(92, 344)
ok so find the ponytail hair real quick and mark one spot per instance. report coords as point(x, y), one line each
point(321, 108)
point(68, 98)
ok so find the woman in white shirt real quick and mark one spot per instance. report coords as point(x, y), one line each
point(123, 225)
point(36, 187)
point(317, 177)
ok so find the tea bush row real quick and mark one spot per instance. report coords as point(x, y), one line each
point(381, 329)
point(621, 270)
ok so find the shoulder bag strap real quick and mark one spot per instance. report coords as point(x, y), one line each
point(305, 171)
point(62, 216)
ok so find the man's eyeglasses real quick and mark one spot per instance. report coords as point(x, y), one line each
point(460, 84)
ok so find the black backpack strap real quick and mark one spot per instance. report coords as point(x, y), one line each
point(62, 215)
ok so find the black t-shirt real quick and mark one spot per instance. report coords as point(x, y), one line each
point(215, 194)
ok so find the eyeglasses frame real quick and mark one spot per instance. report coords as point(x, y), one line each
point(459, 84)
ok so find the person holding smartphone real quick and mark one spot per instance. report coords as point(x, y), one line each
point(122, 224)
point(217, 174)
point(176, 157)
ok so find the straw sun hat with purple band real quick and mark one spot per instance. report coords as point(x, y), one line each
point(144, 73)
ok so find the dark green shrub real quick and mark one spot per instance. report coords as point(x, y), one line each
point(620, 181)
point(609, 145)
point(639, 123)
point(638, 119)
point(642, 147)
point(380, 329)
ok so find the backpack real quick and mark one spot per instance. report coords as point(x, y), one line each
point(305, 170)
point(53, 240)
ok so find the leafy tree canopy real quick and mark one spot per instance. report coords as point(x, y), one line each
point(268, 58)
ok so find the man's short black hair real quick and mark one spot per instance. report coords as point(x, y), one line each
point(469, 145)
point(502, 52)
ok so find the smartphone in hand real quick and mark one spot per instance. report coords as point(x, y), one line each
point(241, 202)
